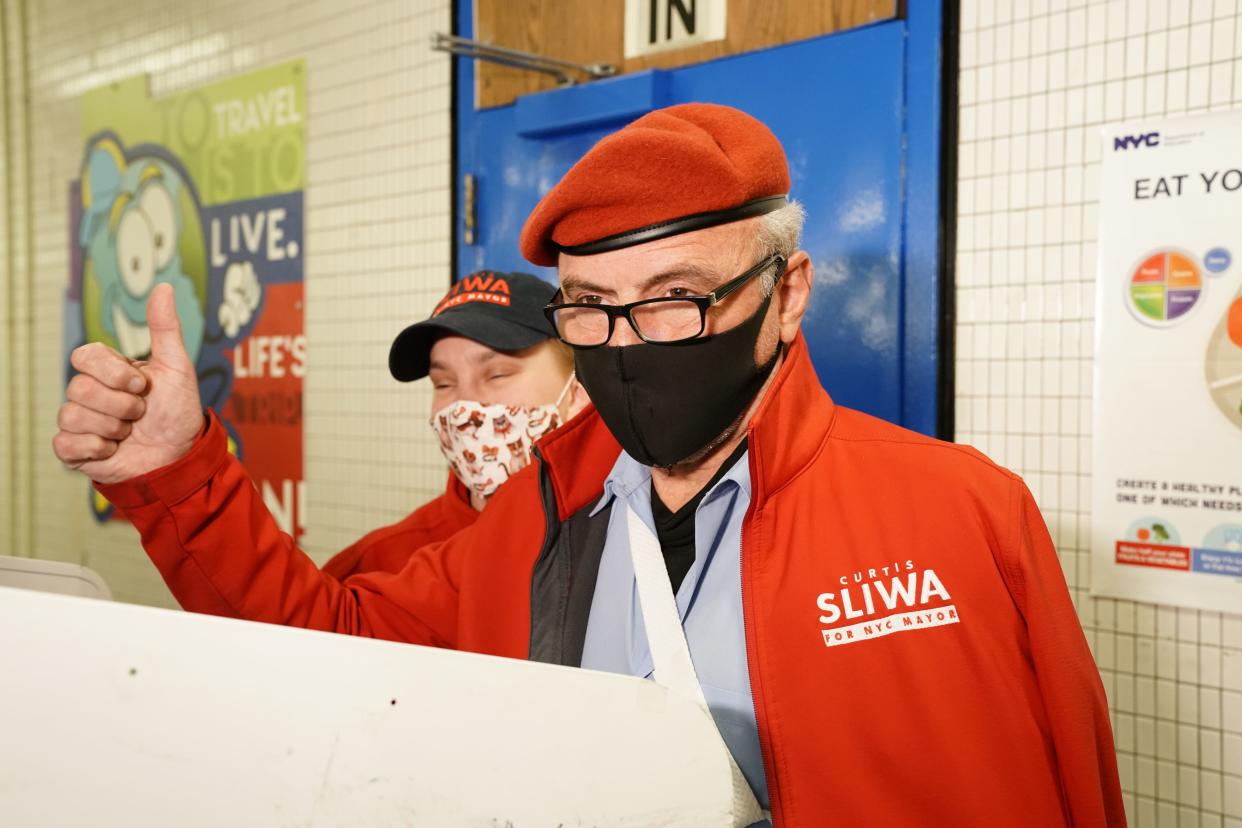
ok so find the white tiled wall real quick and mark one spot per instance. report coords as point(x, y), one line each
point(377, 243)
point(1038, 79)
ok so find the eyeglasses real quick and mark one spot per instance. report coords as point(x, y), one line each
point(667, 320)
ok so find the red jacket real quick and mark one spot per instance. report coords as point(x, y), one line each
point(389, 548)
point(973, 701)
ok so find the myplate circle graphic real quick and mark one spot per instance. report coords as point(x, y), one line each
point(1164, 287)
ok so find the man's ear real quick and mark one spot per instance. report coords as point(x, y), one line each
point(794, 293)
point(576, 399)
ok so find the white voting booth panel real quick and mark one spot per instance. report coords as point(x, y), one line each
point(52, 576)
point(113, 714)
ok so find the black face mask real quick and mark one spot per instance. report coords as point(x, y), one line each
point(663, 403)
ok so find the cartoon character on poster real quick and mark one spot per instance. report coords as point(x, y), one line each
point(140, 227)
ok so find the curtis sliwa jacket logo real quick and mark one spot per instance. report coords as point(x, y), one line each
point(880, 601)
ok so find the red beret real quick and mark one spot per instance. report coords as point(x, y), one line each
point(671, 171)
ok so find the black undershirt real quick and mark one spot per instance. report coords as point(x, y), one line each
point(676, 529)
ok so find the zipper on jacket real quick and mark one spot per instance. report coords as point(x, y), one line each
point(764, 751)
point(551, 514)
point(551, 510)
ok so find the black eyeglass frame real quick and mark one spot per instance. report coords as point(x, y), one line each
point(704, 303)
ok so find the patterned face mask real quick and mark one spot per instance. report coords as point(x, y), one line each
point(488, 444)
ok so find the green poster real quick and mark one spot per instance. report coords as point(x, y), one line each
point(203, 189)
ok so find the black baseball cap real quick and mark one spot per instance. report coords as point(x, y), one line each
point(503, 311)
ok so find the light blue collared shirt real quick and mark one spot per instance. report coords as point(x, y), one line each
point(709, 602)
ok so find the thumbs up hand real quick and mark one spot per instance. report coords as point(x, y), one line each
point(123, 418)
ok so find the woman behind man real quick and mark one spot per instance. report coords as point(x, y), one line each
point(501, 380)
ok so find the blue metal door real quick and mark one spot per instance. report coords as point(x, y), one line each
point(858, 113)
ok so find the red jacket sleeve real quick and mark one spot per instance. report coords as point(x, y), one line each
point(207, 530)
point(389, 548)
point(1069, 680)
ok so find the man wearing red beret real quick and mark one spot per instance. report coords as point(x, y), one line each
point(876, 620)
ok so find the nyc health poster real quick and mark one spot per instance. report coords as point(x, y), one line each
point(1167, 467)
point(202, 189)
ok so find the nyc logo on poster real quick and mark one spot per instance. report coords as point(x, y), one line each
point(203, 190)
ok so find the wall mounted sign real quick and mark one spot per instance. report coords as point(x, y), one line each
point(1167, 491)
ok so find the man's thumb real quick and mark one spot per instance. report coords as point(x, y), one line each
point(166, 344)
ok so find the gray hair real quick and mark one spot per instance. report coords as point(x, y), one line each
point(778, 233)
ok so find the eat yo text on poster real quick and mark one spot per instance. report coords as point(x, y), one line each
point(1172, 186)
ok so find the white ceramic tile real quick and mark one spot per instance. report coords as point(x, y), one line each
point(1179, 13)
point(1231, 631)
point(1200, 43)
point(1220, 84)
point(1210, 704)
point(1232, 805)
point(1231, 669)
point(1210, 751)
point(1223, 33)
point(1154, 101)
point(1116, 18)
point(1198, 91)
point(1166, 783)
point(1211, 790)
point(1176, 92)
point(1201, 10)
point(1231, 753)
point(1188, 789)
point(1231, 711)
